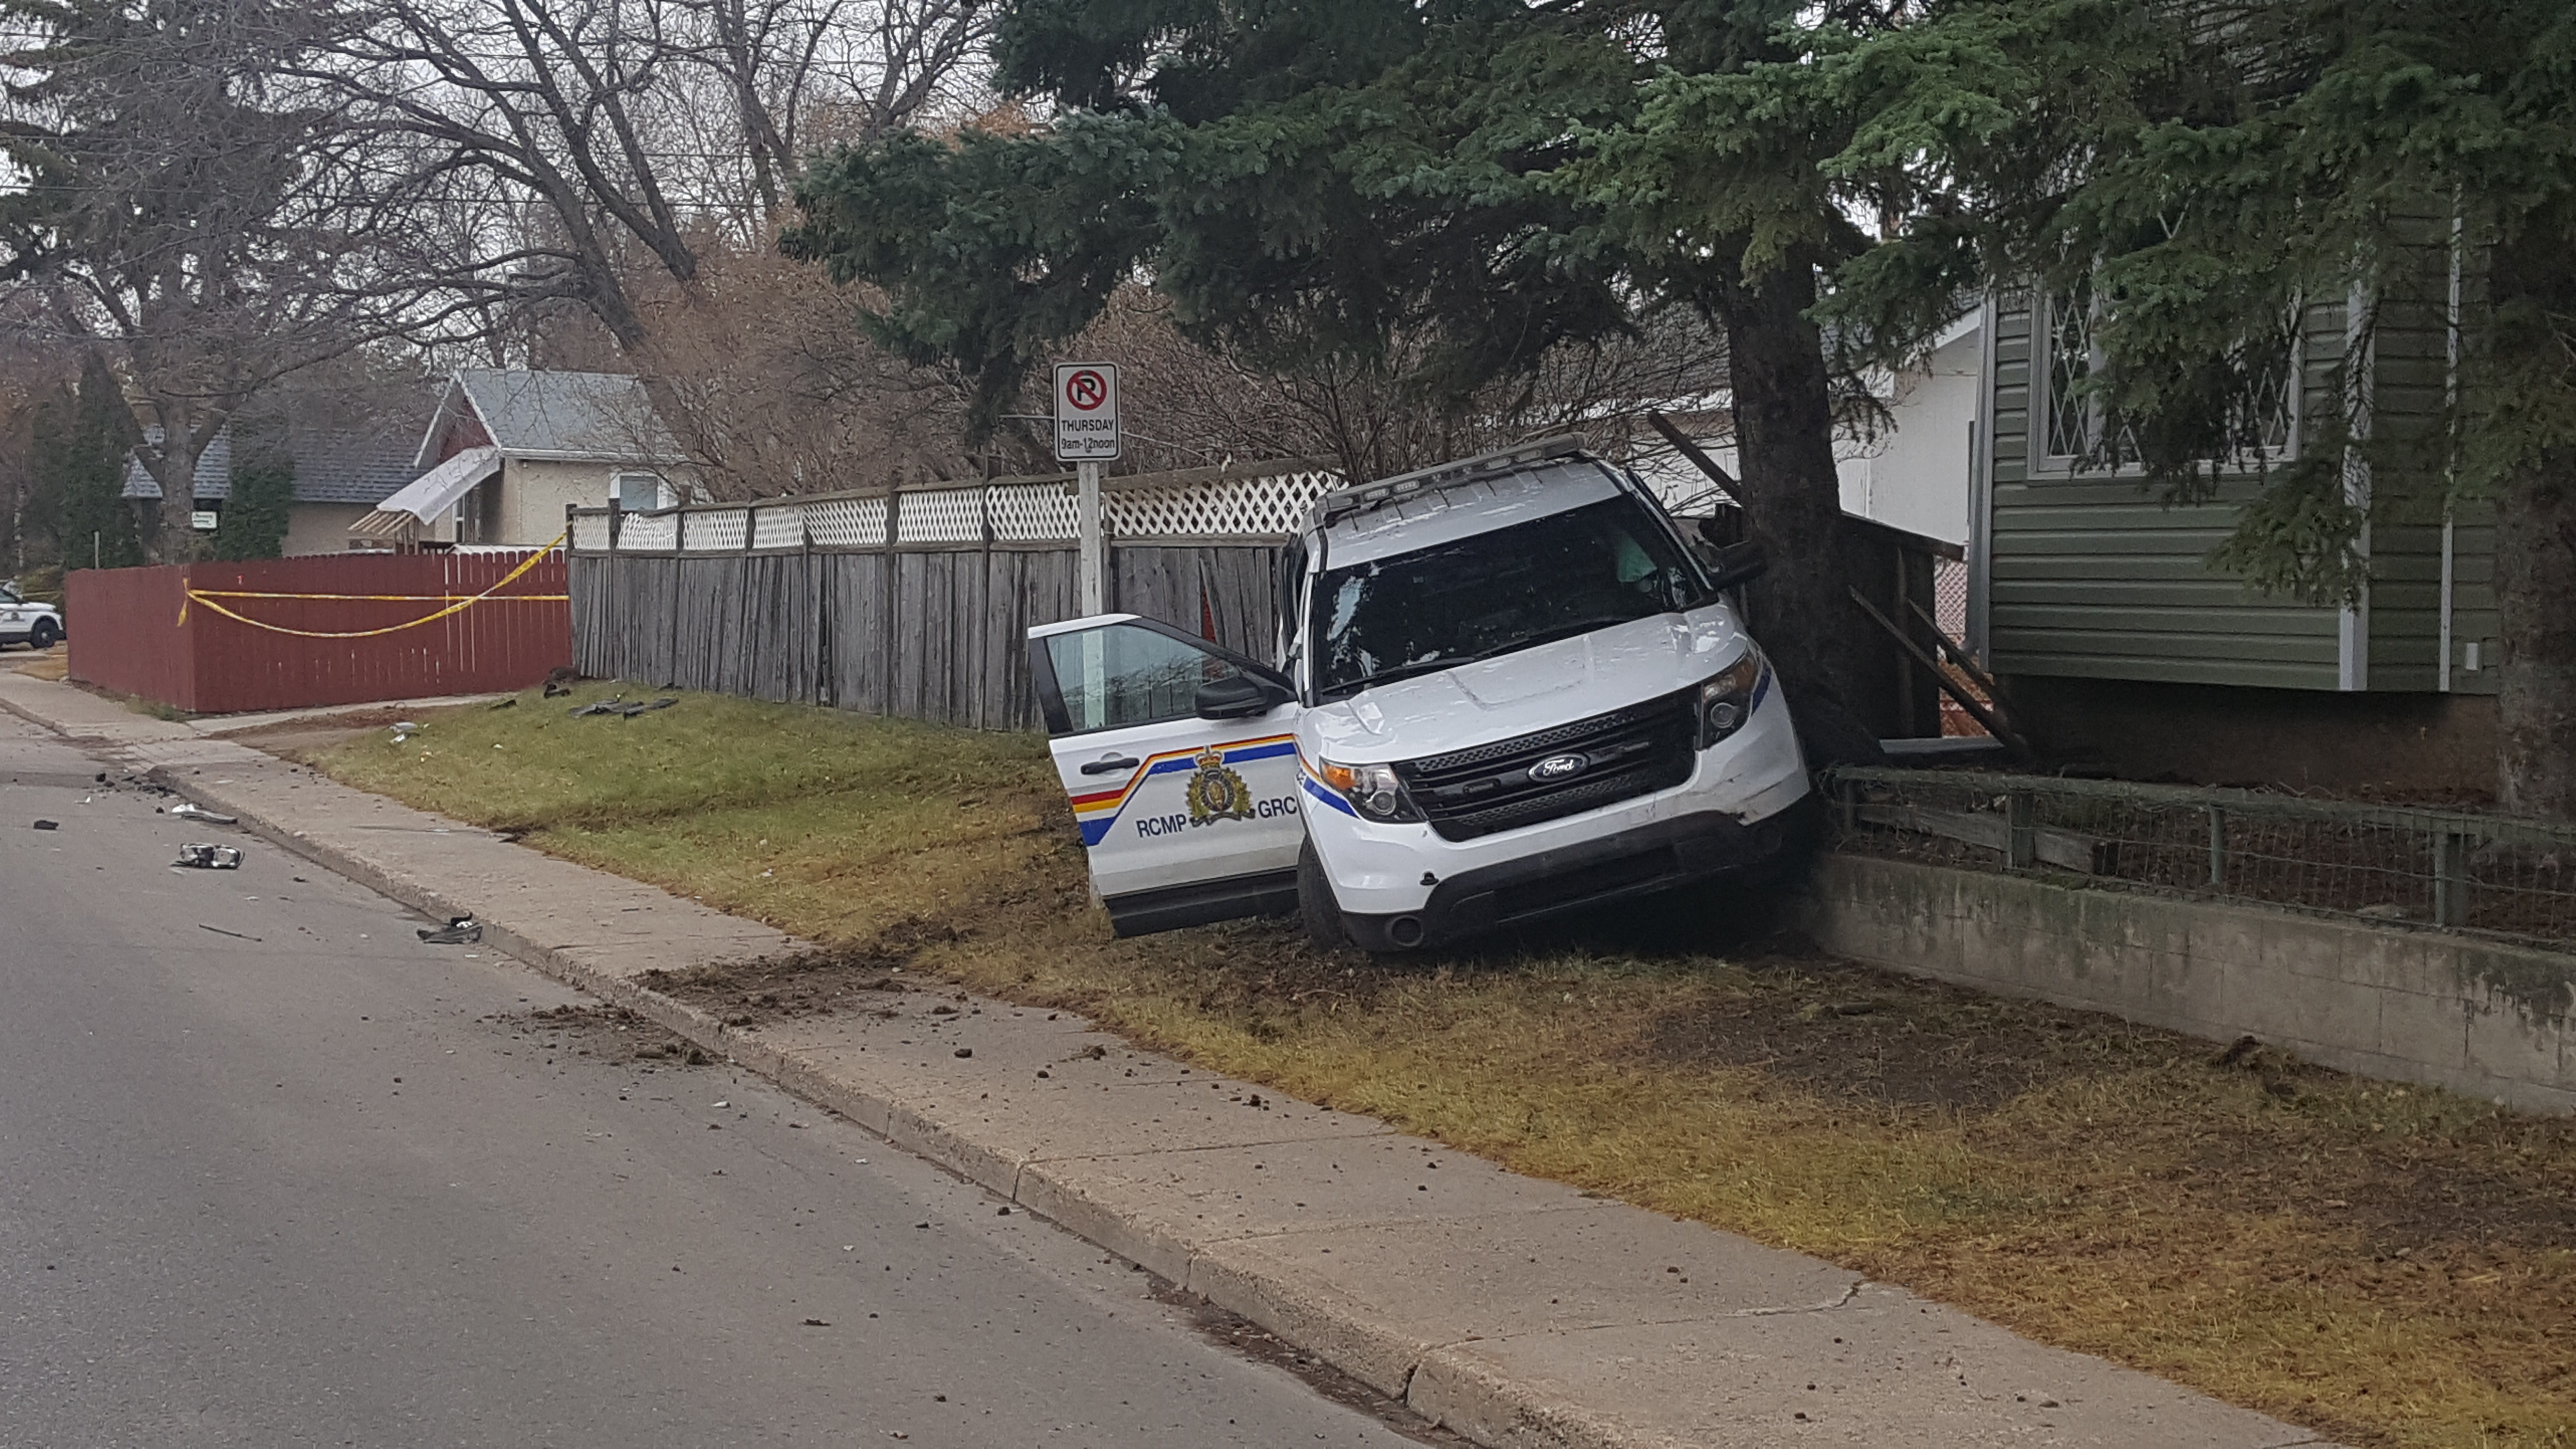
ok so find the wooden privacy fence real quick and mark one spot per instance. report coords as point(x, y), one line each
point(221, 638)
point(915, 603)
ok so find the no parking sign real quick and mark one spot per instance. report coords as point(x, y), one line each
point(1086, 412)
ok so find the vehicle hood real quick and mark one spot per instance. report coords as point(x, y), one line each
point(1531, 690)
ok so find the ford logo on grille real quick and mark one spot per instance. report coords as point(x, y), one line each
point(1559, 767)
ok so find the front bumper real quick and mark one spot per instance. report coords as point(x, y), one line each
point(1654, 857)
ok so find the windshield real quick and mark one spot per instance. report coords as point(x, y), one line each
point(1492, 593)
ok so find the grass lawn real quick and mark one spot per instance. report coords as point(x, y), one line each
point(54, 663)
point(2390, 1266)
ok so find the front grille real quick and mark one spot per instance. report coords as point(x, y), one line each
point(1631, 752)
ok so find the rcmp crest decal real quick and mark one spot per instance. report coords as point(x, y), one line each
point(1217, 793)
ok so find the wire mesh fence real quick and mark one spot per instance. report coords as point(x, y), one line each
point(2460, 869)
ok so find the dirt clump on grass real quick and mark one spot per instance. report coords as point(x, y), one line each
point(1847, 1031)
point(853, 975)
point(610, 1034)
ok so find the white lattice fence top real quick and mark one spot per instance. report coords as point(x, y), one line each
point(1258, 502)
point(648, 532)
point(778, 528)
point(1263, 505)
point(1032, 512)
point(846, 522)
point(724, 531)
point(941, 515)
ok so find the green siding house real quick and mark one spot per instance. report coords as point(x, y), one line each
point(2095, 599)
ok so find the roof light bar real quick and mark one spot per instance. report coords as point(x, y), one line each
point(1345, 502)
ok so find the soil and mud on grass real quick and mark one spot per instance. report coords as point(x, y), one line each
point(2388, 1265)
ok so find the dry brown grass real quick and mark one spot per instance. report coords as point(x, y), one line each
point(2390, 1266)
point(54, 663)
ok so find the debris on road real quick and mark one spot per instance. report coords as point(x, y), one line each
point(512, 702)
point(49, 825)
point(560, 680)
point(220, 931)
point(192, 811)
point(624, 708)
point(209, 857)
point(459, 931)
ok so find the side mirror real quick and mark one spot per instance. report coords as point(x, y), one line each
point(1237, 696)
point(1736, 564)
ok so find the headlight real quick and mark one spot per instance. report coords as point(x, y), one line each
point(1373, 790)
point(1727, 700)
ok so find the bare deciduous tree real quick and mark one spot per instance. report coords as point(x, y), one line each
point(1187, 406)
point(563, 150)
point(193, 205)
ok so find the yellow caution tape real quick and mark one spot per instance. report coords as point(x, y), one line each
point(461, 603)
point(382, 598)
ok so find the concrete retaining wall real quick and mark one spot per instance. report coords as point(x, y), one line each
point(2489, 1020)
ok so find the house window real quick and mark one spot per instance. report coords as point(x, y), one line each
point(2075, 419)
point(639, 492)
point(2080, 432)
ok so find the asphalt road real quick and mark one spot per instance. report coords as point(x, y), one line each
point(274, 1173)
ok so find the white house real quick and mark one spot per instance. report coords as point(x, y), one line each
point(510, 448)
point(1913, 471)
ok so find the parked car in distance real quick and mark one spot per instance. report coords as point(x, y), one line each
point(38, 626)
point(1501, 689)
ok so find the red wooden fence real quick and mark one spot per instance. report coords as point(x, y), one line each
point(168, 634)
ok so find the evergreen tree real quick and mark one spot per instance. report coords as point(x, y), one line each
point(254, 520)
point(1334, 183)
point(81, 447)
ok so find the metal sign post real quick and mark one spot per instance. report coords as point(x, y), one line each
point(1086, 503)
point(1086, 435)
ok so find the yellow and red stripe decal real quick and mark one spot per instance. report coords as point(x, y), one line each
point(1097, 810)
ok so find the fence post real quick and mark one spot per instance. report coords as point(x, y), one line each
point(2450, 878)
point(2218, 847)
point(2021, 838)
point(893, 599)
point(826, 677)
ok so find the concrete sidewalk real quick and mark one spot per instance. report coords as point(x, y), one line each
point(1513, 1311)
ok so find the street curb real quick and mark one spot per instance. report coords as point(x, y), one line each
point(1466, 1399)
point(1478, 1388)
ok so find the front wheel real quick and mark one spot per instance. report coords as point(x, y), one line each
point(1317, 910)
point(44, 635)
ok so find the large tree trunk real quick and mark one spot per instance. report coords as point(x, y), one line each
point(172, 536)
point(1784, 426)
point(2535, 586)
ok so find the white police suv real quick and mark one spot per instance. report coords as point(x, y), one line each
point(1504, 688)
point(22, 621)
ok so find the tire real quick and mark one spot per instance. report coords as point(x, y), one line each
point(1317, 910)
point(44, 635)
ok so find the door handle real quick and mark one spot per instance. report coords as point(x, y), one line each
point(1111, 765)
